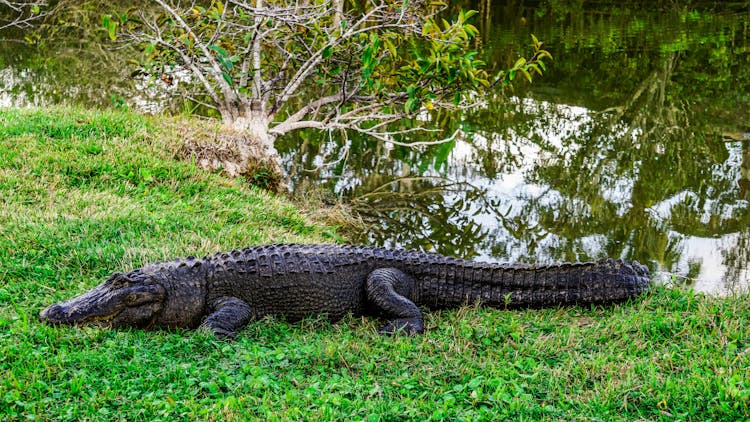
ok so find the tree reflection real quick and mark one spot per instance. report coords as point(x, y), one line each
point(622, 153)
point(737, 261)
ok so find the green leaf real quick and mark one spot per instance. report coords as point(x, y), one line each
point(220, 51)
point(391, 48)
point(410, 105)
point(427, 27)
point(520, 62)
point(526, 74)
point(367, 54)
point(110, 26)
point(227, 64)
point(469, 14)
point(227, 78)
point(146, 175)
point(327, 52)
point(442, 154)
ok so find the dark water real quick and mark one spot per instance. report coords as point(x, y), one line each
point(634, 144)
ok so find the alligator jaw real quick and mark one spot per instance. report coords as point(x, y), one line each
point(109, 304)
point(59, 314)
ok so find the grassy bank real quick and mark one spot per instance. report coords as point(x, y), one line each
point(83, 194)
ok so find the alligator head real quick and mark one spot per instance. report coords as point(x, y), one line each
point(122, 300)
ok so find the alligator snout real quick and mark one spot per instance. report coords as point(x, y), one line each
point(47, 312)
point(52, 314)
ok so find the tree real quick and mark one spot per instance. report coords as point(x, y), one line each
point(272, 67)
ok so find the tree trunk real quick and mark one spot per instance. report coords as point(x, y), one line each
point(254, 135)
point(744, 181)
point(243, 146)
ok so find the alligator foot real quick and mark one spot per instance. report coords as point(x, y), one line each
point(388, 289)
point(229, 316)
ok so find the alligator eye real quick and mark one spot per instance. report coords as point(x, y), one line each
point(118, 281)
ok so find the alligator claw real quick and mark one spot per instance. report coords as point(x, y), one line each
point(408, 326)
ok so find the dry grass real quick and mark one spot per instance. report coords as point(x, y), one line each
point(226, 151)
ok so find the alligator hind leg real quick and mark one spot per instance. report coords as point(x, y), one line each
point(229, 315)
point(388, 289)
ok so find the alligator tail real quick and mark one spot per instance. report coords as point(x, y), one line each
point(603, 281)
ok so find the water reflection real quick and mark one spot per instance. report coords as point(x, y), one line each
point(634, 145)
point(24, 84)
point(556, 184)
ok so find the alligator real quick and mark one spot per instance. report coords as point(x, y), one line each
point(222, 293)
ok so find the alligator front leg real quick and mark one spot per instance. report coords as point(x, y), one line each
point(228, 316)
point(388, 289)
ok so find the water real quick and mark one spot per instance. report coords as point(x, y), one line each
point(634, 144)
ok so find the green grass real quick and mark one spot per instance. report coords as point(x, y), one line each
point(83, 194)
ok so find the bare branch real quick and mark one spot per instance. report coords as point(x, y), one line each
point(199, 102)
point(25, 12)
point(286, 126)
point(257, 81)
point(187, 60)
point(215, 66)
point(389, 139)
point(373, 21)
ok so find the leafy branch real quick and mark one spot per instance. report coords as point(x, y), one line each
point(274, 66)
